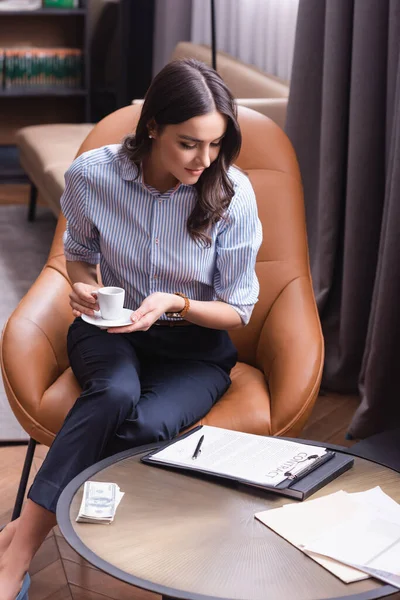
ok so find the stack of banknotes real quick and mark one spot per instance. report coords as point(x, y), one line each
point(99, 502)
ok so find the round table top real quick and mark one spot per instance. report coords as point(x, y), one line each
point(193, 537)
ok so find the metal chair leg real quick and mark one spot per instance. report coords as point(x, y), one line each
point(32, 203)
point(24, 479)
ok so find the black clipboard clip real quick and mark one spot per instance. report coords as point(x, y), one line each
point(295, 475)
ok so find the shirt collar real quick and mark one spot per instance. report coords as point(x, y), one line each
point(128, 169)
point(131, 172)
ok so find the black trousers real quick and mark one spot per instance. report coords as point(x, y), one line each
point(137, 388)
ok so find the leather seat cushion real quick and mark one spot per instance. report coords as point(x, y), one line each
point(246, 406)
point(229, 412)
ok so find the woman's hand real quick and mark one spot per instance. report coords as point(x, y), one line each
point(150, 311)
point(83, 299)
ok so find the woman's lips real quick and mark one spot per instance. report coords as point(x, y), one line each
point(194, 171)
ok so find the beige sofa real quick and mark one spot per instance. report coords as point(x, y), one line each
point(250, 86)
point(46, 151)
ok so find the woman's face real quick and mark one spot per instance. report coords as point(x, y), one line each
point(186, 149)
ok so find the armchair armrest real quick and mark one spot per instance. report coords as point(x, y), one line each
point(274, 108)
point(34, 352)
point(291, 352)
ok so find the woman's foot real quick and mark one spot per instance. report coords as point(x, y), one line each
point(11, 580)
point(6, 536)
point(31, 530)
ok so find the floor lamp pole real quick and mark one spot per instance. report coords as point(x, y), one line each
point(213, 35)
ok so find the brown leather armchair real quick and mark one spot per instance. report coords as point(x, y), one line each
point(276, 382)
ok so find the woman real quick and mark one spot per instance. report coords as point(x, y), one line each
point(169, 219)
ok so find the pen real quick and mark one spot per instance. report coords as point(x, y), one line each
point(198, 447)
point(318, 461)
point(301, 467)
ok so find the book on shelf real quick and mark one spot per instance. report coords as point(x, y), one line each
point(1, 68)
point(9, 5)
point(61, 4)
point(28, 67)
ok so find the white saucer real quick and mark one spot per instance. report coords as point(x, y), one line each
point(106, 323)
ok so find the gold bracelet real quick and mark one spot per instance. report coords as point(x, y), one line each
point(181, 313)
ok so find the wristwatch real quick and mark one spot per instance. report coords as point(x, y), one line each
point(180, 313)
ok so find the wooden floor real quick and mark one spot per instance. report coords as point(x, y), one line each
point(57, 572)
point(14, 194)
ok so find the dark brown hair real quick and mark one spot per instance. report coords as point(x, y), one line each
point(184, 89)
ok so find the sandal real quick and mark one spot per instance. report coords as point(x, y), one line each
point(23, 594)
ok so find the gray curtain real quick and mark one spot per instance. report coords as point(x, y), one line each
point(344, 122)
point(172, 24)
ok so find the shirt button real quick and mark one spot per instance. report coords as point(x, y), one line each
point(155, 276)
point(157, 240)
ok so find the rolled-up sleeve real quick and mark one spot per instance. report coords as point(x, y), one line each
point(81, 238)
point(237, 245)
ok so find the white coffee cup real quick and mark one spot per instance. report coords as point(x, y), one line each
point(111, 302)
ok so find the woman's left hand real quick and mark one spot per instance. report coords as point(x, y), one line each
point(150, 311)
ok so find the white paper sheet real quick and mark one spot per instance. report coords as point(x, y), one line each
point(365, 539)
point(360, 528)
point(385, 507)
point(300, 523)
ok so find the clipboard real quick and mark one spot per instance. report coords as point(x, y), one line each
point(298, 483)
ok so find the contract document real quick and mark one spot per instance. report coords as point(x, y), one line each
point(267, 462)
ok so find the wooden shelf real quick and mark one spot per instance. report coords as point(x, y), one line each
point(21, 106)
point(29, 92)
point(59, 12)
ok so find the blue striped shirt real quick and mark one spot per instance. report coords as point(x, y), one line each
point(140, 238)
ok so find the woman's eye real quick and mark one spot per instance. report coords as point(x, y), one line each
point(192, 147)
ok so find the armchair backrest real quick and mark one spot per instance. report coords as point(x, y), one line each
point(269, 160)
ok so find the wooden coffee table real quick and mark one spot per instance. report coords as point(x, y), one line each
point(194, 538)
